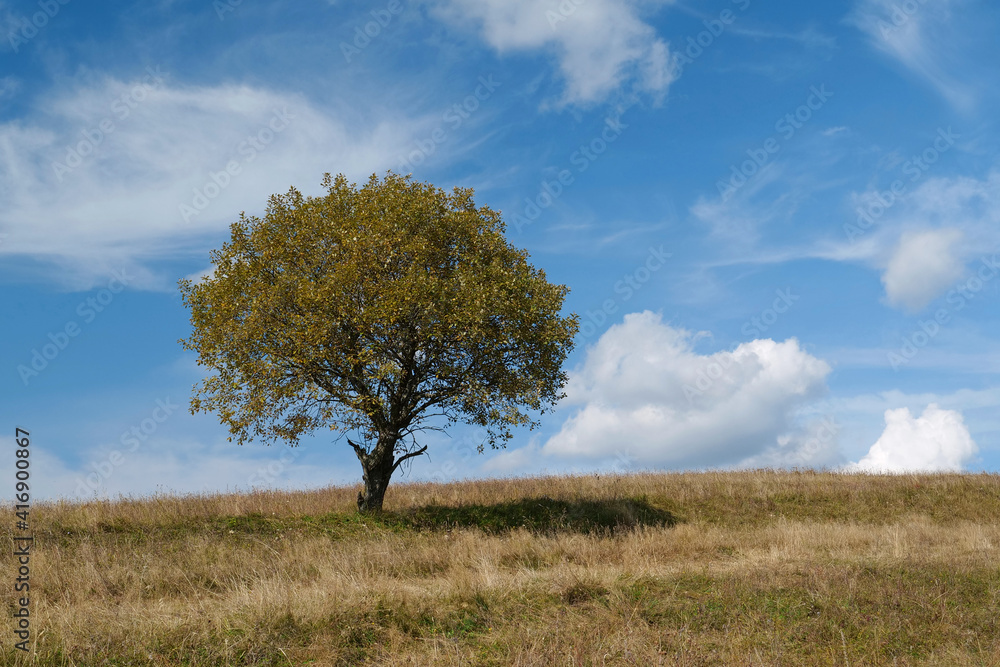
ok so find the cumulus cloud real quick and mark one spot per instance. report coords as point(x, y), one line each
point(812, 445)
point(938, 440)
point(922, 267)
point(97, 178)
point(600, 44)
point(643, 390)
point(515, 461)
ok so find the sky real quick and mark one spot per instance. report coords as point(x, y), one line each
point(779, 221)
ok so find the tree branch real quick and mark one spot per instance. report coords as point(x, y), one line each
point(358, 450)
point(406, 456)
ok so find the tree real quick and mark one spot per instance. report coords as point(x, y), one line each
point(377, 312)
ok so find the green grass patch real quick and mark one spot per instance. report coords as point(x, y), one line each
point(542, 515)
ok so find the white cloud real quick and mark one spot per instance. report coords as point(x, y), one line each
point(9, 86)
point(919, 243)
point(169, 465)
point(973, 201)
point(922, 267)
point(121, 206)
point(814, 445)
point(644, 391)
point(923, 37)
point(738, 214)
point(514, 461)
point(938, 440)
point(198, 276)
point(600, 44)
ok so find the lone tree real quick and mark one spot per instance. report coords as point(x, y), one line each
point(376, 312)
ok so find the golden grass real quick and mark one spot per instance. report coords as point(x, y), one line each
point(752, 568)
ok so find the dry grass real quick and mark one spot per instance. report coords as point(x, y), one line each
point(739, 568)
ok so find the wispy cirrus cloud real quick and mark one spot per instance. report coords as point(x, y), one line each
point(926, 38)
point(921, 245)
point(117, 174)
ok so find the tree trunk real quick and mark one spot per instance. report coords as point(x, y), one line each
point(378, 468)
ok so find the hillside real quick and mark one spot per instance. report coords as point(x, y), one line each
point(747, 568)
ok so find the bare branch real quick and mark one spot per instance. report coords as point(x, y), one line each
point(358, 449)
point(402, 458)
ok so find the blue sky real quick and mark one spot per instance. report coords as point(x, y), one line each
point(779, 221)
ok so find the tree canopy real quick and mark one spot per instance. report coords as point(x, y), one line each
point(376, 312)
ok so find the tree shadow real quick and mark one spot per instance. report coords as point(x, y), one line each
point(542, 515)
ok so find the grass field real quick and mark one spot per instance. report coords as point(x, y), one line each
point(729, 568)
